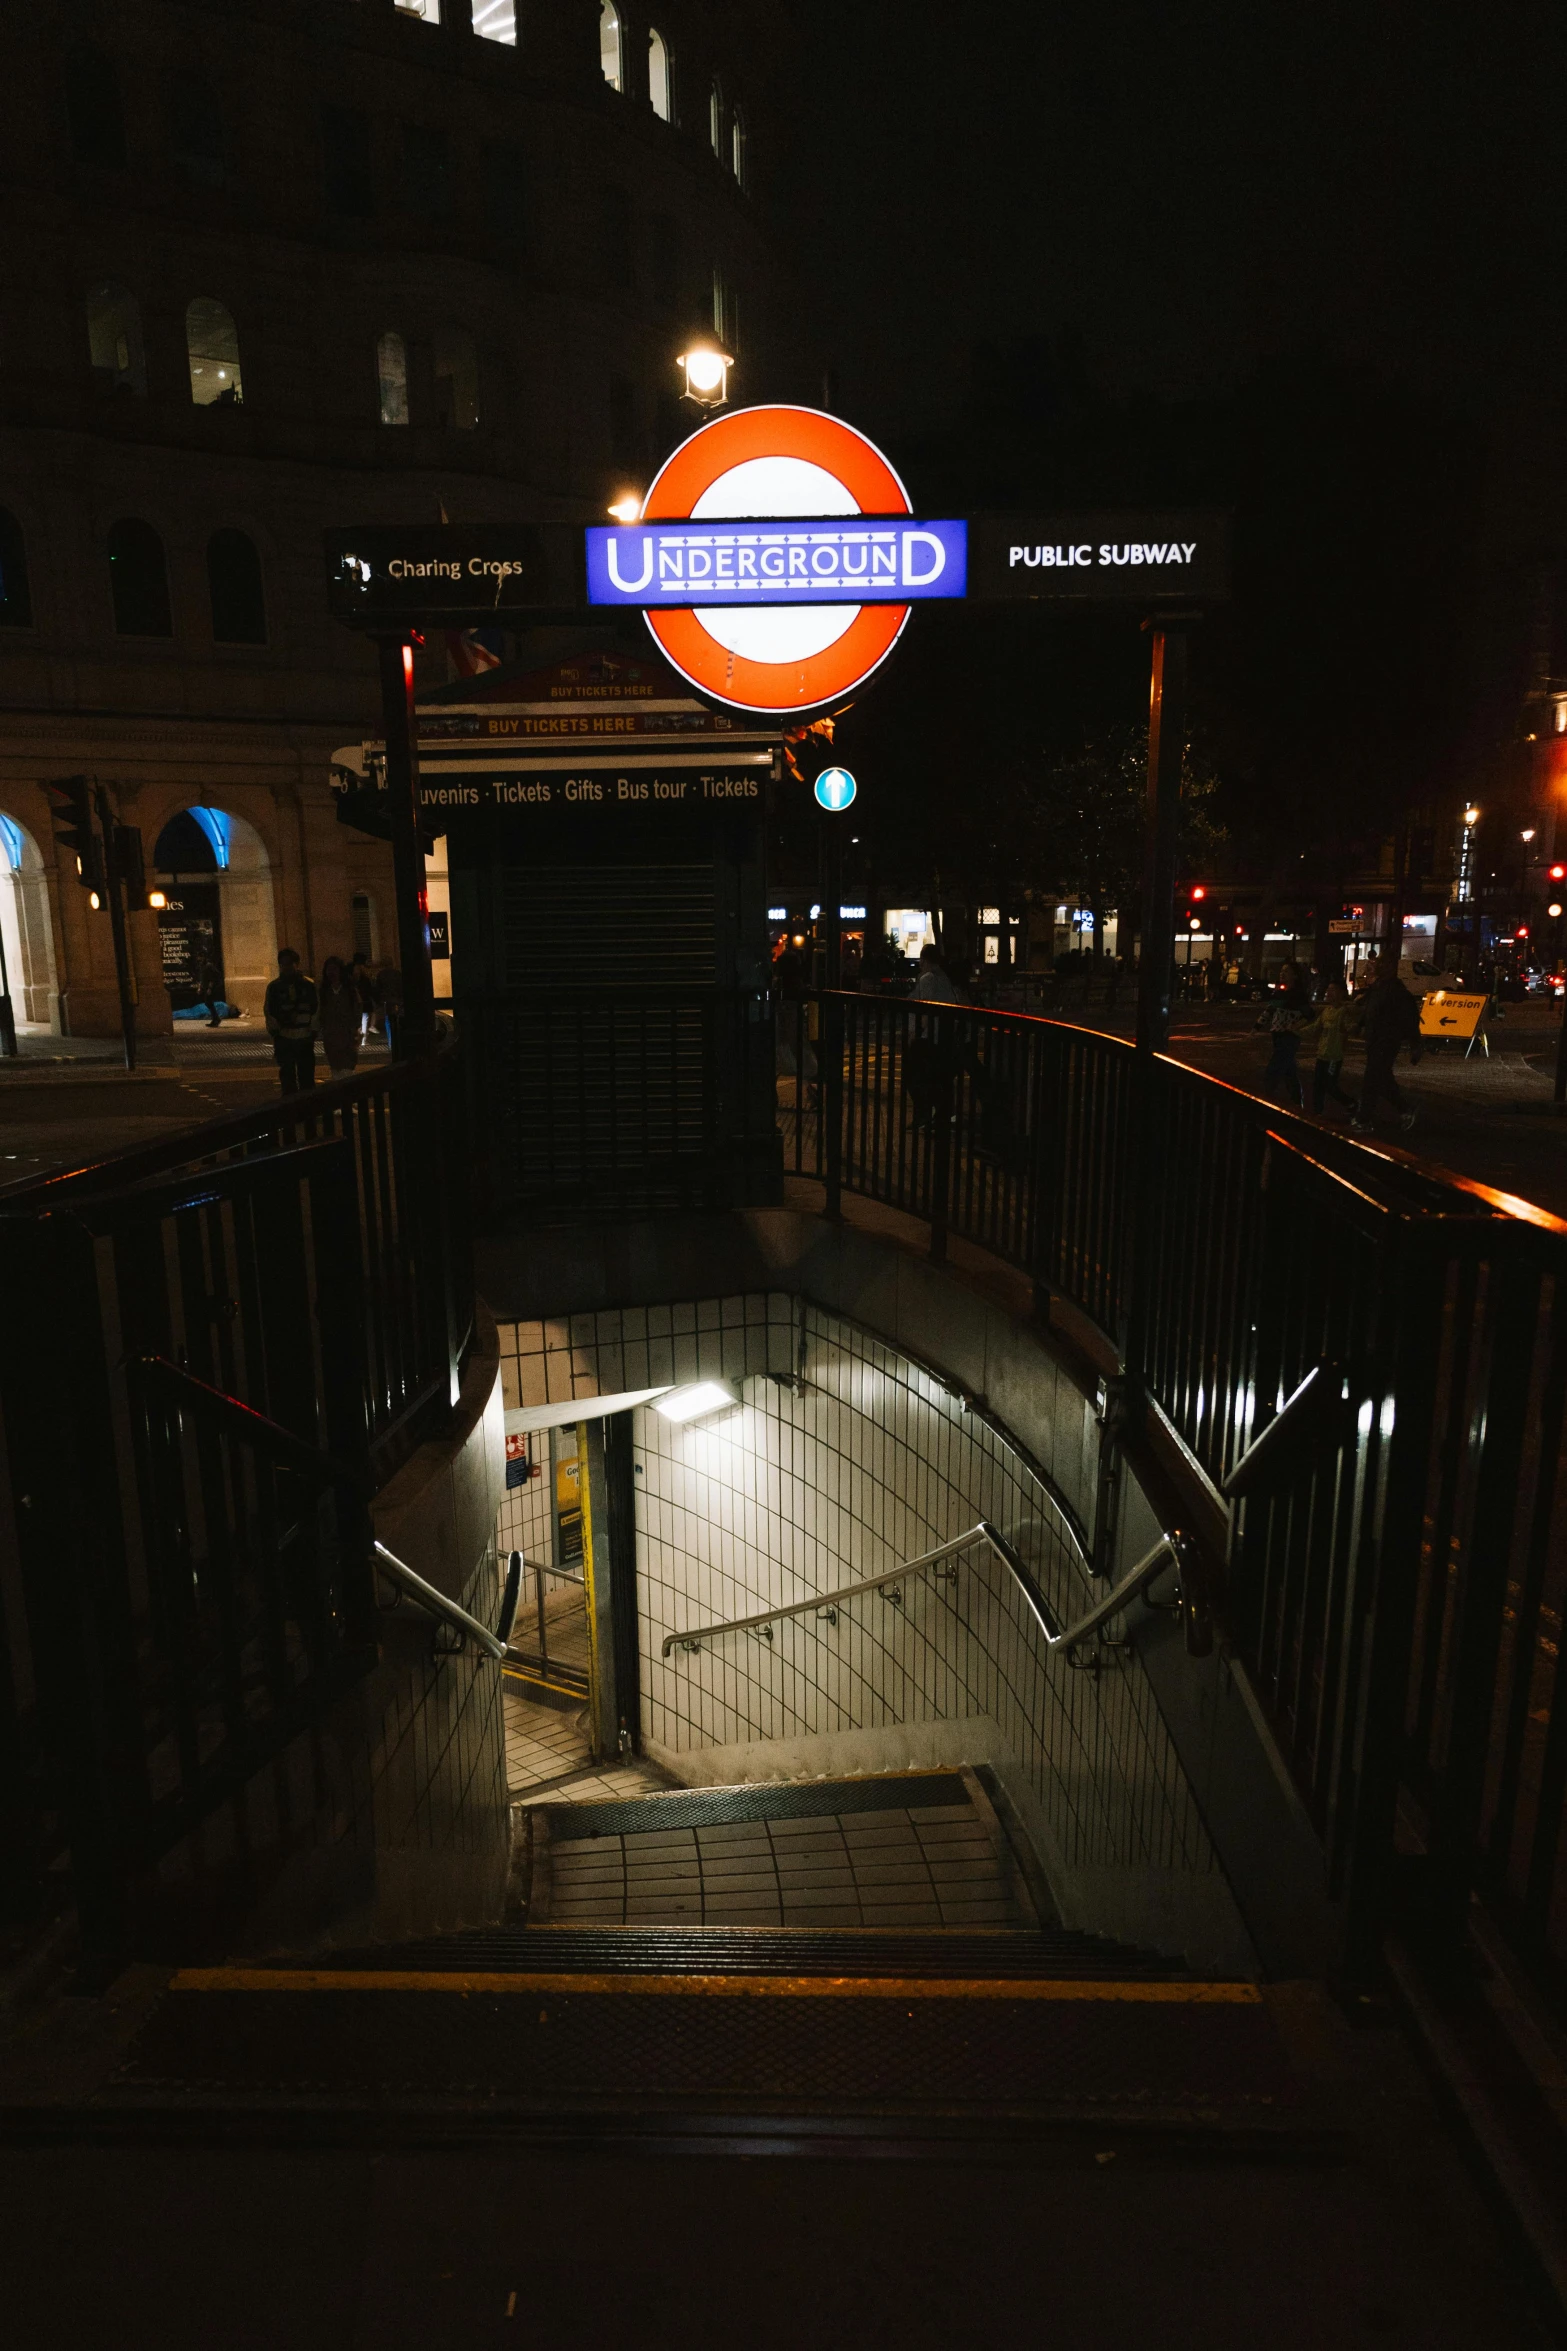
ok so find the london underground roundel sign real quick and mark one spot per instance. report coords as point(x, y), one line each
point(780, 463)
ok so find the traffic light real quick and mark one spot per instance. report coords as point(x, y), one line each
point(1557, 873)
point(70, 801)
point(130, 866)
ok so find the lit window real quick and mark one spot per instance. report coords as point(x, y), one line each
point(114, 339)
point(16, 599)
point(456, 379)
point(429, 10)
point(239, 605)
point(737, 146)
point(660, 81)
point(139, 581)
point(610, 63)
point(496, 20)
point(212, 343)
point(715, 119)
point(391, 371)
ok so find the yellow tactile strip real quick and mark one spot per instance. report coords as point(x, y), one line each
point(325, 1979)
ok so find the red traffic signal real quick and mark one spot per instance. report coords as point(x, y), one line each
point(1198, 891)
point(1558, 873)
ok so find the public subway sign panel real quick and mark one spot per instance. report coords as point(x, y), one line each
point(1105, 558)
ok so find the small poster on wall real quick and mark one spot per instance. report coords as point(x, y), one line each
point(519, 1466)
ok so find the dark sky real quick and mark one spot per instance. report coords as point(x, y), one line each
point(1174, 192)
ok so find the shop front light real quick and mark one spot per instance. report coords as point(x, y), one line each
point(697, 1400)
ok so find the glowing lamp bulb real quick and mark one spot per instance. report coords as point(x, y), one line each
point(628, 508)
point(704, 370)
point(1554, 911)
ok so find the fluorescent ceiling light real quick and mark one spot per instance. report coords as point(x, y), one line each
point(702, 1396)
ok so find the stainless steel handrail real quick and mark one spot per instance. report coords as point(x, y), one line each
point(408, 1580)
point(1171, 1546)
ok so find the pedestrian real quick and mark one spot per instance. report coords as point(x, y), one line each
point(1284, 1019)
point(933, 985)
point(389, 999)
point(1328, 1036)
point(210, 982)
point(293, 1021)
point(363, 985)
point(340, 1017)
point(1387, 1016)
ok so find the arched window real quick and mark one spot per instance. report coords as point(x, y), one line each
point(737, 146)
point(610, 60)
point(212, 343)
point(239, 604)
point(391, 375)
point(16, 597)
point(456, 378)
point(114, 339)
point(715, 119)
point(496, 20)
point(139, 581)
point(660, 76)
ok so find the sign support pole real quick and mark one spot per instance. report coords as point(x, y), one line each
point(416, 1030)
point(1166, 741)
point(122, 958)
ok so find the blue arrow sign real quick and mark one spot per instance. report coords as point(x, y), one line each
point(835, 788)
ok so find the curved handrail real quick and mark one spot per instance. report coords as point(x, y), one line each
point(408, 1579)
point(1172, 1545)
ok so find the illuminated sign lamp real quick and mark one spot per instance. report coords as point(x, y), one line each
point(796, 583)
point(835, 789)
point(851, 913)
point(778, 914)
point(697, 1400)
point(705, 373)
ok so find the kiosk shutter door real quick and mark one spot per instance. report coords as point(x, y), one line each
point(613, 1023)
point(609, 926)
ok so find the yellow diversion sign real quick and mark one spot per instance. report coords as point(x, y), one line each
point(1445, 1015)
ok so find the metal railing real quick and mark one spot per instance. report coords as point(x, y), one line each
point(214, 1349)
point(1170, 1550)
point(1396, 1569)
point(451, 1613)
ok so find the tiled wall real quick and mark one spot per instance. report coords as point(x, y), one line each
point(806, 1487)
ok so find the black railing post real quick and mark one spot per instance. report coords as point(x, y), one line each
point(416, 1027)
point(1166, 739)
point(943, 1070)
point(831, 1097)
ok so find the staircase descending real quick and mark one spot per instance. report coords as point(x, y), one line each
point(875, 1956)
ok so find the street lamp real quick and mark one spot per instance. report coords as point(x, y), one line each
point(706, 372)
point(627, 507)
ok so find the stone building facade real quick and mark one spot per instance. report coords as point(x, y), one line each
point(278, 265)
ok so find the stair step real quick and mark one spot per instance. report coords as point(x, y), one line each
point(950, 1954)
point(689, 1808)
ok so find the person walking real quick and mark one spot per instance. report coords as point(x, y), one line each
point(1328, 1036)
point(293, 1021)
point(363, 985)
point(340, 1017)
point(934, 985)
point(389, 997)
point(210, 981)
point(1284, 1019)
point(1387, 1016)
